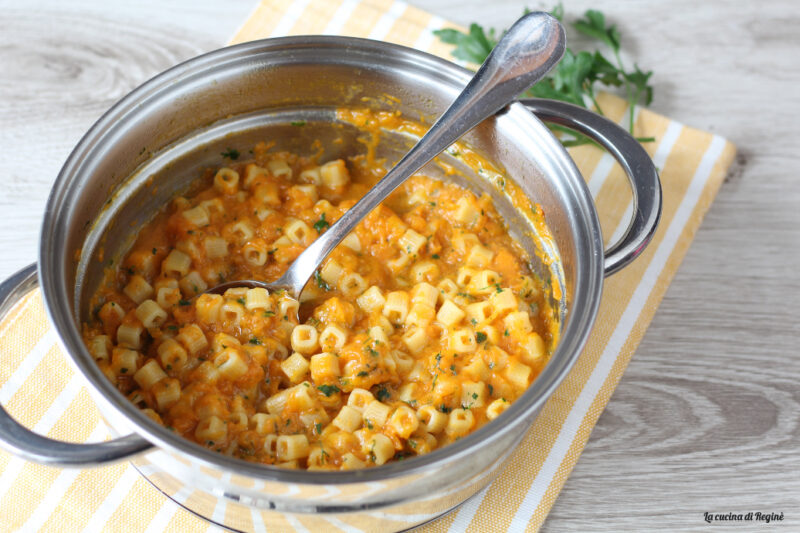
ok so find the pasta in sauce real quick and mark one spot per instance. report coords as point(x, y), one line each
point(423, 325)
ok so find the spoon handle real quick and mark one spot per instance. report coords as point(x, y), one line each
point(530, 48)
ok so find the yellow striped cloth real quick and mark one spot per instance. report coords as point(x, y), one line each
point(39, 387)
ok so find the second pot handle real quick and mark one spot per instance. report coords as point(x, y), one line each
point(635, 161)
point(20, 441)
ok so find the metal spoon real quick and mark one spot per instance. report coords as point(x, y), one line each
point(530, 48)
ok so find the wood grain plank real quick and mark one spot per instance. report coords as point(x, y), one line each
point(64, 65)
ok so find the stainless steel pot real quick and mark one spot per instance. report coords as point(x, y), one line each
point(147, 148)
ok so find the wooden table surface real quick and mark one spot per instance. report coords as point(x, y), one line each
point(707, 416)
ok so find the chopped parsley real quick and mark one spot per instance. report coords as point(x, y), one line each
point(184, 302)
point(363, 374)
point(480, 336)
point(491, 389)
point(155, 251)
point(435, 256)
point(318, 427)
point(269, 313)
point(240, 300)
point(383, 394)
point(255, 340)
point(231, 153)
point(321, 282)
point(321, 224)
point(298, 123)
point(370, 350)
point(327, 390)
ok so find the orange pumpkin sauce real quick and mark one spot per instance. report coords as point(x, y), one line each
point(420, 328)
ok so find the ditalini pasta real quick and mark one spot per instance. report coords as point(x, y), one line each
point(424, 324)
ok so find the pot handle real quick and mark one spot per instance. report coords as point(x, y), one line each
point(20, 441)
point(635, 162)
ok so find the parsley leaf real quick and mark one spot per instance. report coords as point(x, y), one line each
point(473, 46)
point(594, 25)
point(231, 153)
point(382, 394)
point(327, 390)
point(321, 224)
point(480, 337)
point(321, 282)
point(639, 80)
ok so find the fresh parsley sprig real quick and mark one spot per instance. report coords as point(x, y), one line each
point(573, 80)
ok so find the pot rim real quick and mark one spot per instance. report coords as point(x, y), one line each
point(56, 288)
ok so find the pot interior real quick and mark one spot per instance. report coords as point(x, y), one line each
point(152, 145)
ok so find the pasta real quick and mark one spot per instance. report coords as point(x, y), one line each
point(425, 324)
